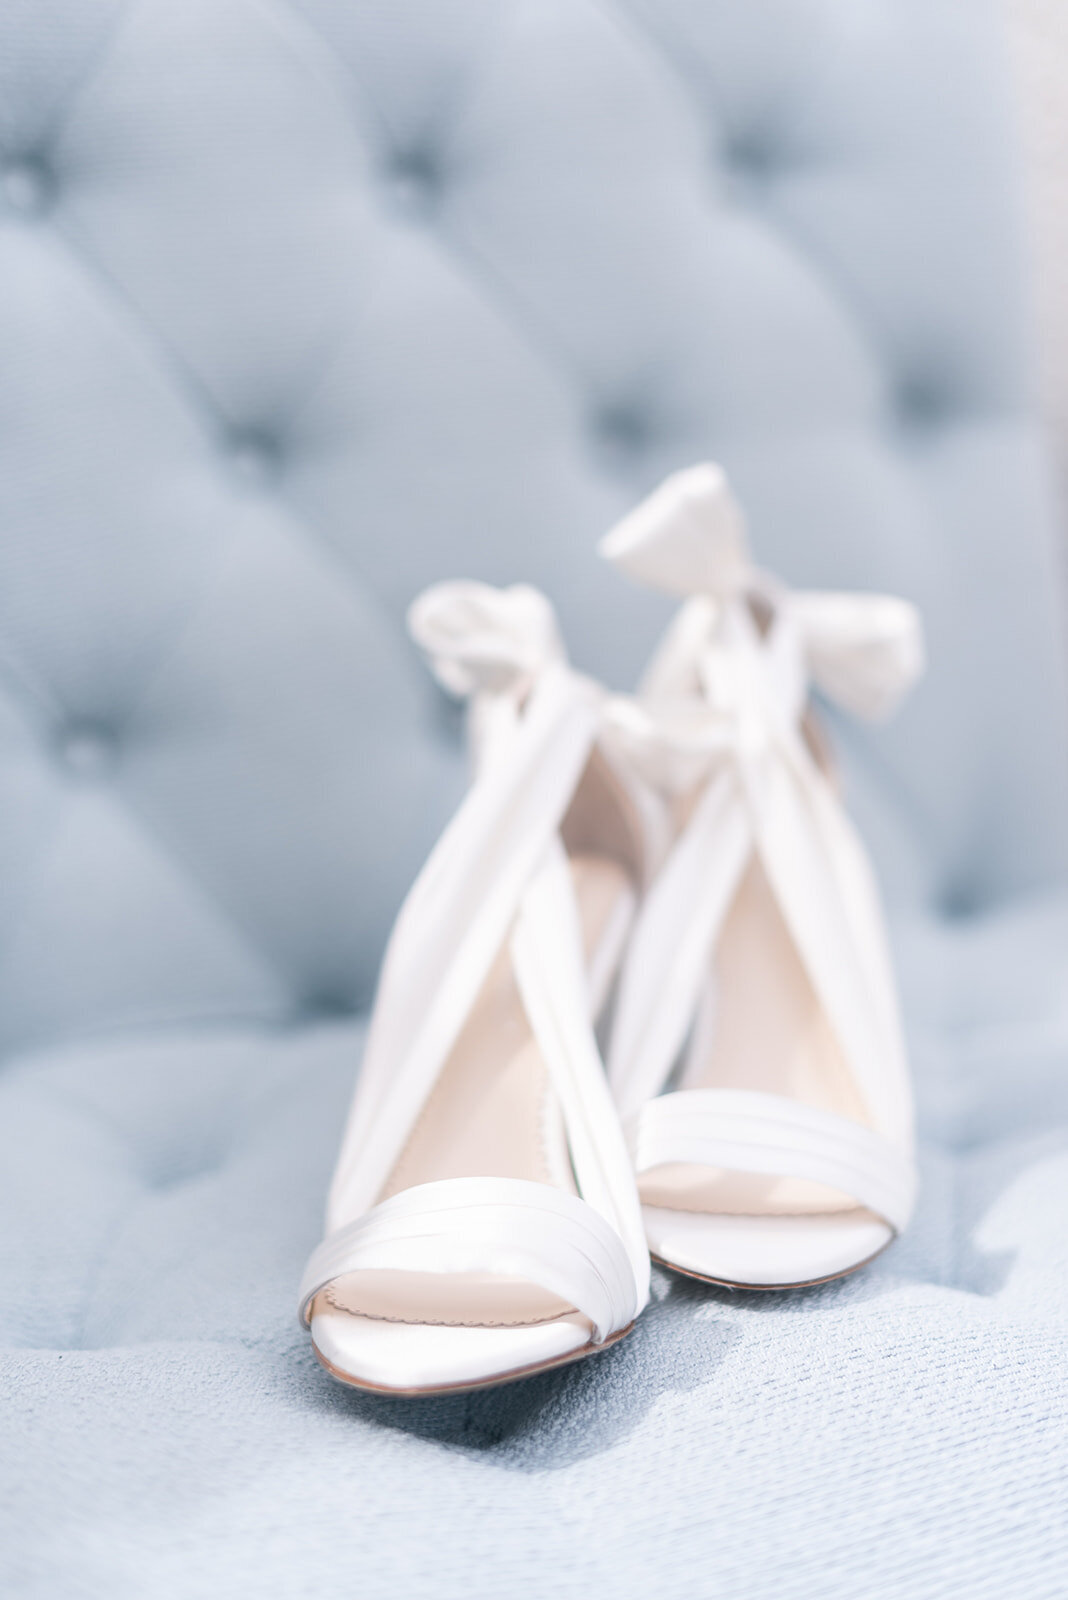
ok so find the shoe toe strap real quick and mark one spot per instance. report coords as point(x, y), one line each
point(504, 1226)
point(767, 1134)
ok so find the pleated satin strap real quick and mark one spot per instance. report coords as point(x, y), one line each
point(504, 1226)
point(744, 1131)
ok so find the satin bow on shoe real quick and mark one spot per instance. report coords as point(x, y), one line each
point(484, 640)
point(865, 651)
point(494, 648)
point(718, 728)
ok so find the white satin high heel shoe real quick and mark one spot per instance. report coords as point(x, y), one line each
point(757, 981)
point(483, 1221)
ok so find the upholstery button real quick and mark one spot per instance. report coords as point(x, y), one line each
point(621, 433)
point(184, 1166)
point(255, 456)
point(87, 749)
point(749, 161)
point(27, 186)
point(327, 1005)
point(958, 902)
point(920, 402)
point(751, 154)
point(413, 182)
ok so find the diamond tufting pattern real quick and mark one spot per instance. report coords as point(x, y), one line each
point(306, 303)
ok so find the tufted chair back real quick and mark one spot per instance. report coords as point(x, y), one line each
point(305, 303)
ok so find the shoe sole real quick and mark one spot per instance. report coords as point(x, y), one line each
point(770, 1288)
point(477, 1383)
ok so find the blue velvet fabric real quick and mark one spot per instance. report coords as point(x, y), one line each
point(303, 304)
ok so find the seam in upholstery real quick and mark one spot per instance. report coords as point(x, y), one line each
point(198, 399)
point(505, 295)
point(96, 60)
point(821, 267)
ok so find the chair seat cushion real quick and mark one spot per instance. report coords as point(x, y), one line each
point(169, 1432)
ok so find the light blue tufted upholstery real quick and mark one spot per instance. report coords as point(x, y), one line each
point(304, 303)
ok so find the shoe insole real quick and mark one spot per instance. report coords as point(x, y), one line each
point(762, 1027)
point(493, 1112)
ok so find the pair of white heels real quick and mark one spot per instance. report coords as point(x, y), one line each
point(680, 859)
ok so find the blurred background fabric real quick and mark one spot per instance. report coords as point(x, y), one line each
point(305, 304)
point(1038, 53)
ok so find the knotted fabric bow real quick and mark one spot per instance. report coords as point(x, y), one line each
point(719, 717)
point(864, 651)
point(498, 874)
point(481, 640)
point(491, 647)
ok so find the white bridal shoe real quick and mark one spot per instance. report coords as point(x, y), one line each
point(483, 1221)
point(756, 1055)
